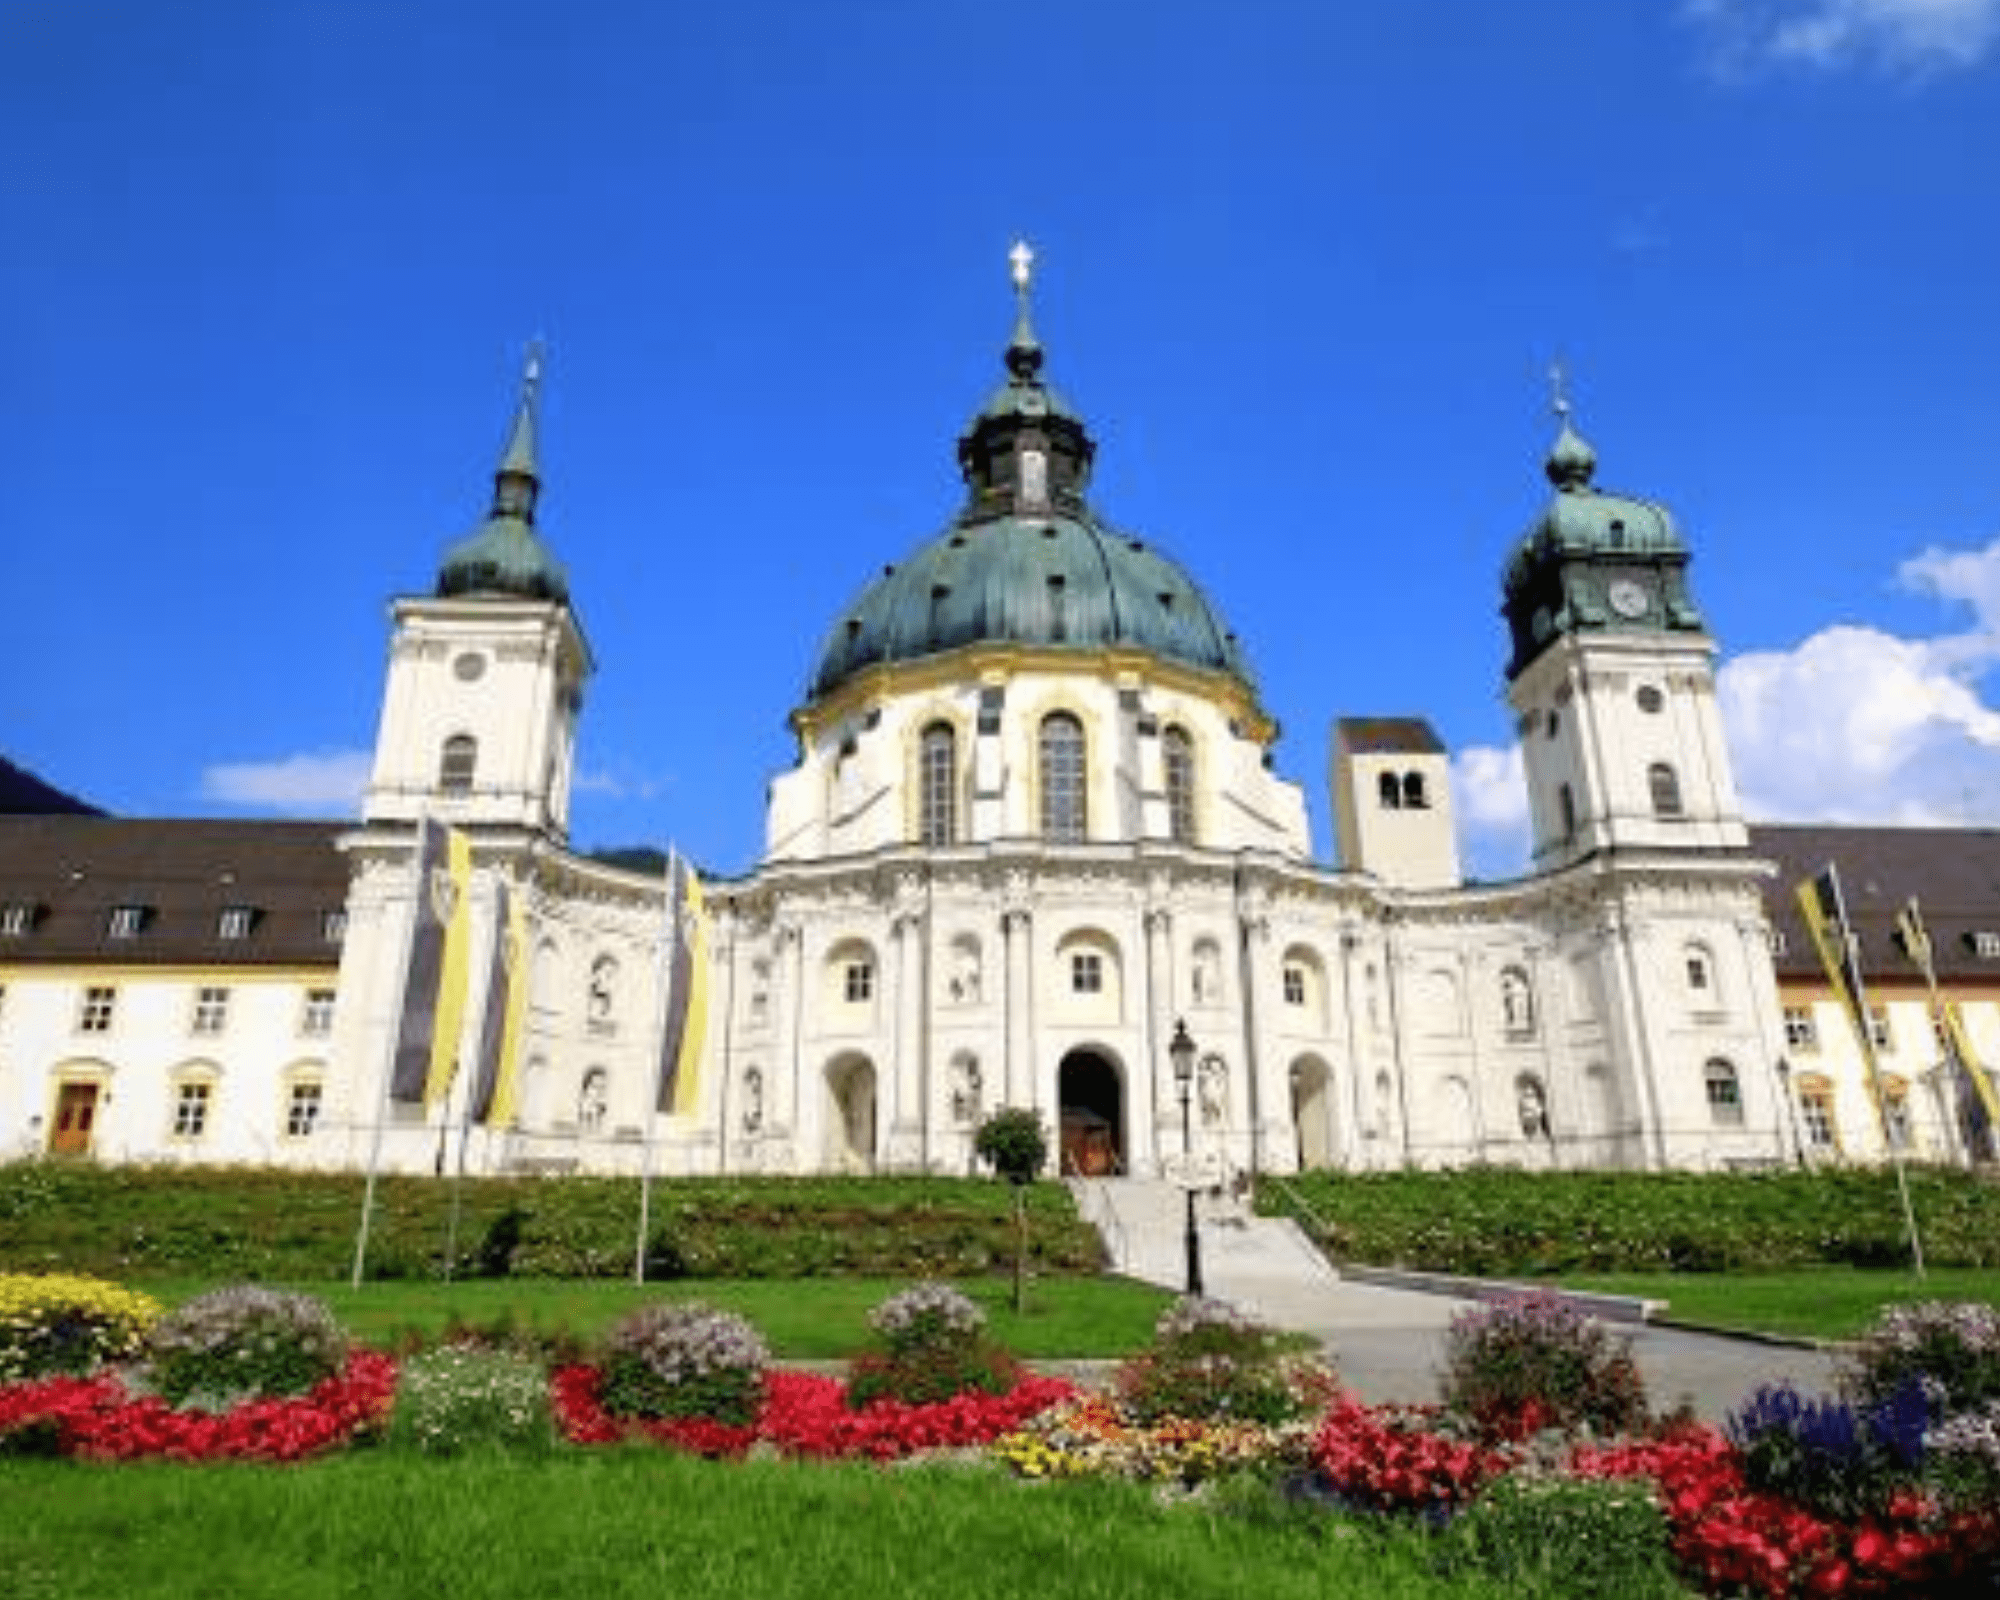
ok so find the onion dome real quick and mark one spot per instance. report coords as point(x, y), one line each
point(1594, 558)
point(1027, 561)
point(505, 557)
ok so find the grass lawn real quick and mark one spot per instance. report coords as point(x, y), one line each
point(1815, 1302)
point(607, 1524)
point(801, 1318)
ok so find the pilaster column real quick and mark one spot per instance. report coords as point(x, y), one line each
point(1270, 1107)
point(1165, 1095)
point(1017, 927)
point(788, 1002)
point(903, 1110)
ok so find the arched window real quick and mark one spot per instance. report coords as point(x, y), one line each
point(937, 787)
point(1177, 757)
point(1414, 798)
point(1725, 1094)
point(457, 763)
point(1063, 778)
point(1665, 788)
point(1390, 790)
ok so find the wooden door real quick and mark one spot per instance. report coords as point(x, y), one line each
point(76, 1111)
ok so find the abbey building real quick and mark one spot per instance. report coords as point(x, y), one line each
point(1032, 828)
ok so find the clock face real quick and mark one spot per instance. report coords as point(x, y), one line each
point(1627, 598)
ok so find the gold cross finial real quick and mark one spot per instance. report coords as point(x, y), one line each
point(1022, 260)
point(1559, 387)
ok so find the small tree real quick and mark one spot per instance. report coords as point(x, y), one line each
point(1013, 1142)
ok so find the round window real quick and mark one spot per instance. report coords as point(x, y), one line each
point(1650, 698)
point(470, 667)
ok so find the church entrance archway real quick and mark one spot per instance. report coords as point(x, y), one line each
point(1092, 1110)
point(850, 1115)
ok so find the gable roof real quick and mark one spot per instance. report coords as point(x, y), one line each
point(1953, 873)
point(71, 873)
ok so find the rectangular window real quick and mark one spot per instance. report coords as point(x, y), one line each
point(1086, 972)
point(16, 921)
point(211, 1010)
point(316, 1019)
point(1698, 974)
point(1816, 1111)
point(235, 922)
point(1896, 1120)
point(1295, 986)
point(126, 921)
point(860, 982)
point(302, 1110)
point(191, 1111)
point(1879, 1033)
point(1801, 1029)
point(94, 1014)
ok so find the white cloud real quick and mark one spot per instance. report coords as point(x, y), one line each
point(318, 781)
point(1490, 794)
point(1855, 724)
point(1901, 36)
point(610, 786)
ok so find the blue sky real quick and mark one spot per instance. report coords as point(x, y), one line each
point(270, 268)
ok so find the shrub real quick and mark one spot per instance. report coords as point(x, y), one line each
point(936, 1348)
point(1515, 1367)
point(240, 1343)
point(61, 1325)
point(461, 1398)
point(1212, 1361)
point(1824, 1453)
point(1013, 1142)
point(1560, 1536)
point(1963, 1455)
point(685, 1359)
point(1951, 1351)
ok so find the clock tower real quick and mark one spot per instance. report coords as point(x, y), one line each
point(1612, 676)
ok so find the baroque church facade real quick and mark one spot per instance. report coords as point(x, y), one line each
point(1032, 829)
point(1033, 825)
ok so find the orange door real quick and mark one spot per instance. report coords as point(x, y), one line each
point(76, 1110)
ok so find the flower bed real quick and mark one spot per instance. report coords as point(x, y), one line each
point(808, 1416)
point(1096, 1436)
point(99, 1419)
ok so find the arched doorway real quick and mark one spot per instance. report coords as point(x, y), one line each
point(1092, 1102)
point(1312, 1108)
point(850, 1115)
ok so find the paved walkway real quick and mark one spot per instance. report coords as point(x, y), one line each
point(1389, 1342)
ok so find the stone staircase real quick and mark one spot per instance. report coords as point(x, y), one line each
point(1265, 1264)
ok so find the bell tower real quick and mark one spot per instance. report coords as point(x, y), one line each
point(486, 674)
point(1612, 676)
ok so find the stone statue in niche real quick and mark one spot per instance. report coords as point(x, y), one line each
point(1517, 1005)
point(753, 1100)
point(603, 978)
point(1213, 1085)
point(593, 1100)
point(1206, 976)
point(967, 1091)
point(963, 985)
point(1534, 1109)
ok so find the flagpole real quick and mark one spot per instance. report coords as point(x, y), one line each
point(457, 1183)
point(1852, 944)
point(663, 975)
point(1965, 1093)
point(389, 1057)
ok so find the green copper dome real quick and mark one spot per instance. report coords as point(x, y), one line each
point(1593, 560)
point(505, 557)
point(1027, 561)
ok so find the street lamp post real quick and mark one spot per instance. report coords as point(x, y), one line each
point(1181, 1051)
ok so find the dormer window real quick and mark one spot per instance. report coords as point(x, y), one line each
point(1985, 944)
point(126, 922)
point(333, 925)
point(236, 922)
point(16, 920)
